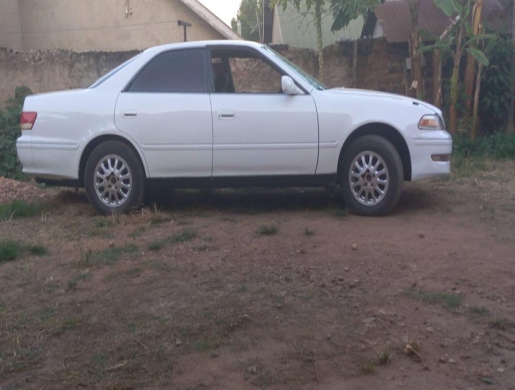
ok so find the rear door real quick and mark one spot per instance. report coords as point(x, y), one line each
point(166, 109)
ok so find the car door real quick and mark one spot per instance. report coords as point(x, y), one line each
point(166, 109)
point(257, 129)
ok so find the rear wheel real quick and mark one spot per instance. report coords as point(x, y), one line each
point(114, 178)
point(371, 176)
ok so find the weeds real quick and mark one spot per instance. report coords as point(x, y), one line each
point(110, 256)
point(19, 209)
point(367, 368)
point(10, 250)
point(156, 246)
point(479, 311)
point(268, 230)
point(309, 232)
point(76, 280)
point(37, 250)
point(384, 358)
point(451, 301)
point(501, 323)
point(184, 236)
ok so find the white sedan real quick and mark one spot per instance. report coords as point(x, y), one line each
point(225, 114)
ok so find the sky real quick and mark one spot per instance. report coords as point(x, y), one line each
point(224, 9)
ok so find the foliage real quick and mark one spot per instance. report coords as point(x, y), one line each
point(345, 11)
point(457, 42)
point(497, 146)
point(250, 15)
point(496, 94)
point(9, 131)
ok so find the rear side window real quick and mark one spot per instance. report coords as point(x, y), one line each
point(176, 71)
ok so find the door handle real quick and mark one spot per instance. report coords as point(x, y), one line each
point(130, 113)
point(226, 115)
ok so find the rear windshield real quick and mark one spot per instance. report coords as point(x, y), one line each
point(113, 72)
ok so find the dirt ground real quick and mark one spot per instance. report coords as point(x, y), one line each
point(276, 289)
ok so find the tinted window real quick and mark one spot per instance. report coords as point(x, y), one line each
point(173, 71)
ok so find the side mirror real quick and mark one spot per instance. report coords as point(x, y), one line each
point(289, 87)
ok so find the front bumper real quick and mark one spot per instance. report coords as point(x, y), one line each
point(431, 143)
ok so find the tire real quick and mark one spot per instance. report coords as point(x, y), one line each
point(371, 176)
point(123, 188)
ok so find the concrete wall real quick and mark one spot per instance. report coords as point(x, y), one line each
point(101, 25)
point(380, 67)
point(10, 25)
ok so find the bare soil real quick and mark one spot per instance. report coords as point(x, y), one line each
point(192, 294)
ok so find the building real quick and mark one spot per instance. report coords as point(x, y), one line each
point(104, 25)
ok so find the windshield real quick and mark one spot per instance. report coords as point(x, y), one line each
point(111, 73)
point(310, 79)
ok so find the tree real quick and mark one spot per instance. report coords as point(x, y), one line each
point(344, 11)
point(250, 15)
point(511, 112)
point(457, 43)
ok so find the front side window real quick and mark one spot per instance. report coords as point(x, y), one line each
point(240, 71)
point(175, 71)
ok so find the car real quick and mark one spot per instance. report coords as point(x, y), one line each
point(220, 114)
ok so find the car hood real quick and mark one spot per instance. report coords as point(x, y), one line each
point(383, 95)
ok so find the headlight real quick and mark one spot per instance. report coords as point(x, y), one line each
point(431, 122)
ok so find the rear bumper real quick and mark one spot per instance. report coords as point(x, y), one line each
point(423, 151)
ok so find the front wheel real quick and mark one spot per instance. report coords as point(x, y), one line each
point(114, 178)
point(371, 176)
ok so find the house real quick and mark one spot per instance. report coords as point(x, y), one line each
point(391, 20)
point(296, 27)
point(100, 25)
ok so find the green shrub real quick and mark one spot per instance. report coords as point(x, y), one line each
point(497, 146)
point(9, 131)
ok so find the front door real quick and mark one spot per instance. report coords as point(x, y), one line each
point(257, 129)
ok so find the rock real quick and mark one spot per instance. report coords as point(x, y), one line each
point(252, 370)
point(430, 329)
point(422, 235)
point(452, 361)
point(346, 269)
point(328, 336)
point(442, 360)
point(178, 342)
point(354, 247)
point(323, 284)
point(111, 244)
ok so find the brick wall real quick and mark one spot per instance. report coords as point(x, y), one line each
point(380, 66)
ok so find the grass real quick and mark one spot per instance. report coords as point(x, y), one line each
point(501, 323)
point(479, 311)
point(12, 250)
point(183, 236)
point(367, 368)
point(110, 256)
point(19, 209)
point(309, 232)
point(268, 230)
point(451, 301)
point(178, 238)
point(384, 358)
point(77, 279)
point(37, 250)
point(156, 246)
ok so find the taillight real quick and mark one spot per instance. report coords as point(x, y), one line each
point(27, 120)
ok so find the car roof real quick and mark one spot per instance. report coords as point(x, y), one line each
point(199, 44)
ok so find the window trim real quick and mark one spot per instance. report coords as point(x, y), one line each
point(127, 87)
point(251, 50)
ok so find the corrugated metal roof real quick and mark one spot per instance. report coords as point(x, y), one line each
point(395, 17)
point(298, 28)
